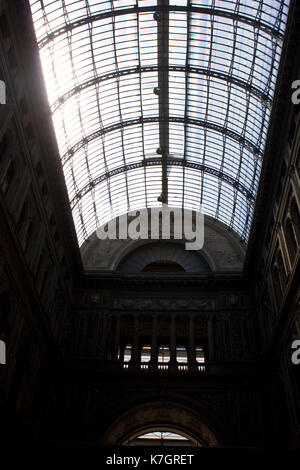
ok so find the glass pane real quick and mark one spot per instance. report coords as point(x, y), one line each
point(102, 62)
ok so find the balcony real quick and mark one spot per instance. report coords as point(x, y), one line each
point(145, 361)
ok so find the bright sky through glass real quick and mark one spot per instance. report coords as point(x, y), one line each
point(100, 62)
point(162, 435)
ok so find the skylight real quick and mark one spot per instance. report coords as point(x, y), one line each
point(158, 97)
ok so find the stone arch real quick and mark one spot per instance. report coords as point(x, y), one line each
point(161, 414)
point(172, 429)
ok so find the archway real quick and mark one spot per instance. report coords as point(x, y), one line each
point(161, 416)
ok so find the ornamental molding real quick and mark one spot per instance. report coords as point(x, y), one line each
point(165, 303)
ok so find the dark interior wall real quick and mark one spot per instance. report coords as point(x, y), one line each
point(63, 381)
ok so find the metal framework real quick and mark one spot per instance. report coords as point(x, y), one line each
point(160, 101)
point(157, 162)
point(209, 73)
point(160, 7)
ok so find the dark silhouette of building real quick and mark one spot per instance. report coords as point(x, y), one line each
point(108, 341)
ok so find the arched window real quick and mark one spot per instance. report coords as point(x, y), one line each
point(161, 437)
point(163, 266)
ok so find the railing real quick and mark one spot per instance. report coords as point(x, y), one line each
point(163, 367)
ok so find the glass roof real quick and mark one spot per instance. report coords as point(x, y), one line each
point(160, 97)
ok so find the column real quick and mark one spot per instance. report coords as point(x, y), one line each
point(134, 362)
point(192, 346)
point(154, 345)
point(173, 359)
point(103, 346)
point(116, 338)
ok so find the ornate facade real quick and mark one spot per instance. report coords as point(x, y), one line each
point(97, 352)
